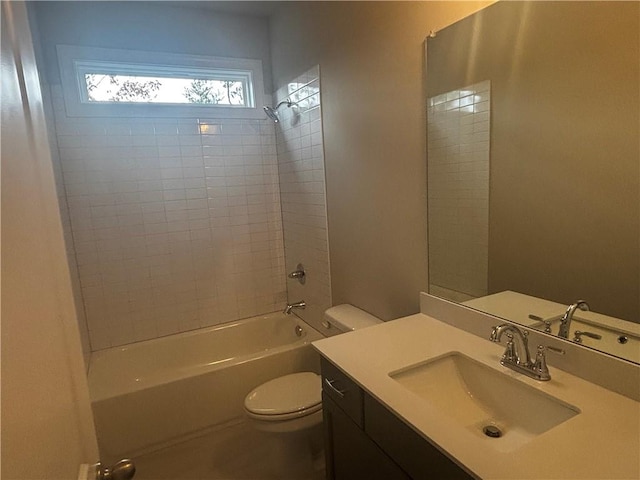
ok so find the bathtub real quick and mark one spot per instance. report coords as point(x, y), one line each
point(150, 394)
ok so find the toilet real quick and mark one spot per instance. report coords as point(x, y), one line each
point(286, 404)
point(293, 403)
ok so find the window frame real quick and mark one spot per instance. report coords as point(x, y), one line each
point(74, 59)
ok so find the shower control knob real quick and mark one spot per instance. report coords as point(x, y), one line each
point(298, 274)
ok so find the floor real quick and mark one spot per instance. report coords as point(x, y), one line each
point(236, 452)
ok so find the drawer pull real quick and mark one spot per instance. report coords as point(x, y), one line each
point(337, 391)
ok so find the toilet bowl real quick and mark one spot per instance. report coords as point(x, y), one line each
point(286, 404)
point(294, 402)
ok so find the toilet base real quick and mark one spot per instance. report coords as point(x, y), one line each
point(297, 447)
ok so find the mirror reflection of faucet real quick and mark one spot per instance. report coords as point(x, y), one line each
point(546, 321)
point(617, 337)
point(578, 334)
point(565, 321)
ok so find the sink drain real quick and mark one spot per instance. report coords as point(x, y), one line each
point(492, 431)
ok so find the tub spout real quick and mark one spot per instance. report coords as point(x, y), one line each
point(290, 306)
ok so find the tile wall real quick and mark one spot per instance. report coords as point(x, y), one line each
point(176, 223)
point(302, 189)
point(458, 191)
point(66, 227)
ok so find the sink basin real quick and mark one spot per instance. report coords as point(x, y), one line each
point(484, 401)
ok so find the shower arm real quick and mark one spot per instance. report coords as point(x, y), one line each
point(286, 102)
point(273, 112)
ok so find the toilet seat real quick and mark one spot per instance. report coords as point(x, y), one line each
point(285, 398)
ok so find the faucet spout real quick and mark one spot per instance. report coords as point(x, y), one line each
point(290, 306)
point(565, 321)
point(496, 335)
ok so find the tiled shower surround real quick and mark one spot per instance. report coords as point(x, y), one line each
point(458, 191)
point(302, 191)
point(176, 223)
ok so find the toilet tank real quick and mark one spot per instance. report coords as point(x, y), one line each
point(345, 318)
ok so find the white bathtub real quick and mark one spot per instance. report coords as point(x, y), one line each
point(152, 393)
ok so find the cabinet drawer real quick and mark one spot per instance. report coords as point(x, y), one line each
point(343, 391)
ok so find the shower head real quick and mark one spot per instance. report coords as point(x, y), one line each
point(272, 113)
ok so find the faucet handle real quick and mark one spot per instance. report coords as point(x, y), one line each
point(299, 274)
point(578, 336)
point(494, 334)
point(509, 354)
point(540, 365)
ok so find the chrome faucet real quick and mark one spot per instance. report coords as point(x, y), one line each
point(290, 306)
point(565, 321)
point(512, 353)
point(513, 356)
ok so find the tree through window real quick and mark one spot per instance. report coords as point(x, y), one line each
point(120, 85)
point(107, 82)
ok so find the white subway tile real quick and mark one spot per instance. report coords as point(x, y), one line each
point(169, 151)
point(189, 140)
point(188, 128)
point(162, 129)
point(167, 140)
point(159, 212)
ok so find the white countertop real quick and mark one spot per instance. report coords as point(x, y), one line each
point(603, 441)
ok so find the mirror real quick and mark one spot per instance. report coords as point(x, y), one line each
point(534, 167)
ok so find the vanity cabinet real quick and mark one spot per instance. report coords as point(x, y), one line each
point(365, 440)
point(349, 453)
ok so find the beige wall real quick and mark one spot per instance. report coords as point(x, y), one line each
point(565, 210)
point(47, 428)
point(371, 67)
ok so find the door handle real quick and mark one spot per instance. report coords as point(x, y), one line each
point(123, 470)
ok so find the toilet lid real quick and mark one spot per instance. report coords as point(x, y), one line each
point(287, 394)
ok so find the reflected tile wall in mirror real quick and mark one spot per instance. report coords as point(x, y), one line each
point(458, 191)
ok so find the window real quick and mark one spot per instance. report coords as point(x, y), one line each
point(106, 82)
point(113, 82)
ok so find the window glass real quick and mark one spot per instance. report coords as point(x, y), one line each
point(106, 83)
point(109, 82)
